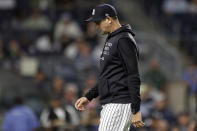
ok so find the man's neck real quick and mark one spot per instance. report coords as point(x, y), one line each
point(115, 26)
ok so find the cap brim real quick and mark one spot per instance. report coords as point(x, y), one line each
point(91, 19)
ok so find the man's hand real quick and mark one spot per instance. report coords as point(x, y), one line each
point(137, 120)
point(81, 103)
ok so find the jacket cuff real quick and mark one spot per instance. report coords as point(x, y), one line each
point(88, 96)
point(135, 108)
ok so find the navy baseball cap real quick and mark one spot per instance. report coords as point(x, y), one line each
point(100, 12)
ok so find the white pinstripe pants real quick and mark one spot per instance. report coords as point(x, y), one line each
point(115, 117)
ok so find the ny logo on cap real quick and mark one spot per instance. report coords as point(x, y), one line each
point(93, 12)
point(106, 14)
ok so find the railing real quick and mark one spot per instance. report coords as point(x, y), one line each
point(153, 46)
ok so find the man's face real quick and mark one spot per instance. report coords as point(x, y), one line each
point(103, 26)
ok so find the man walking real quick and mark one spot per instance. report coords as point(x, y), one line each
point(118, 86)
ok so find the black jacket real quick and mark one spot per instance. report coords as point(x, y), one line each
point(119, 80)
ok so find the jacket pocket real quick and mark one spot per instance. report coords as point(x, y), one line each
point(103, 88)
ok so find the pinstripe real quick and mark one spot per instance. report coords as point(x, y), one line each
point(127, 122)
point(128, 118)
point(108, 113)
point(122, 121)
point(106, 118)
point(111, 117)
point(130, 114)
point(119, 120)
point(104, 114)
point(115, 117)
point(108, 127)
point(102, 117)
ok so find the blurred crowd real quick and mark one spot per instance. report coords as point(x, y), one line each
point(178, 18)
point(48, 42)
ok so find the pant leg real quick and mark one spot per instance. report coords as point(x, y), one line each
point(115, 117)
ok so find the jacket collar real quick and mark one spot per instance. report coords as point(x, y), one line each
point(123, 28)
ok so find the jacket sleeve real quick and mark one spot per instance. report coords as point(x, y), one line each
point(92, 93)
point(129, 54)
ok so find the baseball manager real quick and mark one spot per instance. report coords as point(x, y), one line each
point(118, 85)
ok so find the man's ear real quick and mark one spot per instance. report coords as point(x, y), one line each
point(108, 19)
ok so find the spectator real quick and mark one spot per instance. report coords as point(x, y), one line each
point(183, 121)
point(90, 81)
point(155, 77)
point(172, 7)
point(80, 53)
point(56, 117)
point(190, 81)
point(75, 119)
point(161, 111)
point(41, 84)
point(160, 125)
point(26, 45)
point(146, 102)
point(37, 21)
point(66, 69)
point(64, 5)
point(174, 128)
point(6, 11)
point(84, 59)
point(20, 118)
point(12, 54)
point(13, 50)
point(66, 26)
point(21, 12)
point(7, 5)
point(70, 94)
point(62, 44)
point(90, 119)
point(57, 87)
point(193, 6)
point(43, 44)
point(72, 50)
point(43, 5)
point(70, 97)
point(174, 11)
point(192, 126)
